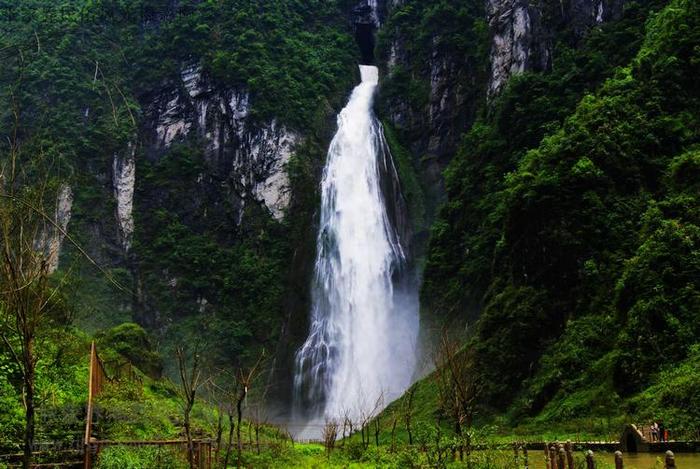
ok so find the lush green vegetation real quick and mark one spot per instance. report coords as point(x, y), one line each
point(571, 227)
point(81, 73)
point(77, 78)
point(568, 243)
point(451, 30)
point(137, 407)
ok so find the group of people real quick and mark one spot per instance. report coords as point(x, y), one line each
point(658, 432)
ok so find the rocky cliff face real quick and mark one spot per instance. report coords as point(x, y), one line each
point(514, 46)
point(54, 236)
point(523, 32)
point(123, 182)
point(520, 37)
point(249, 154)
point(429, 88)
point(244, 164)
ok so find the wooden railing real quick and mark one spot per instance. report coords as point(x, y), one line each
point(91, 446)
point(96, 380)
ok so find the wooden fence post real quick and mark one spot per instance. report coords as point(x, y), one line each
point(619, 464)
point(561, 462)
point(670, 462)
point(527, 465)
point(553, 457)
point(590, 460)
point(569, 455)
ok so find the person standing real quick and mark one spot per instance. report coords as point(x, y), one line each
point(654, 431)
point(662, 431)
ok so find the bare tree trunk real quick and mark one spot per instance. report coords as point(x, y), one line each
point(257, 437)
point(188, 436)
point(239, 411)
point(329, 434)
point(460, 439)
point(29, 415)
point(230, 440)
point(219, 432)
point(408, 412)
point(190, 381)
point(345, 424)
point(376, 431)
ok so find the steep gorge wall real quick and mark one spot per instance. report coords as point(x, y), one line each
point(243, 162)
point(249, 156)
point(456, 56)
point(530, 250)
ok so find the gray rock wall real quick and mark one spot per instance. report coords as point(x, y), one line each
point(251, 154)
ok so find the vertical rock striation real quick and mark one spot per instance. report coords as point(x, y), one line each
point(54, 235)
point(123, 182)
point(522, 32)
point(512, 41)
point(520, 38)
point(250, 154)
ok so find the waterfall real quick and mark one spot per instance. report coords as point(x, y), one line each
point(360, 351)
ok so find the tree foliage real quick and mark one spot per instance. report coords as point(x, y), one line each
point(573, 204)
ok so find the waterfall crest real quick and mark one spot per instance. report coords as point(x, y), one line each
point(360, 350)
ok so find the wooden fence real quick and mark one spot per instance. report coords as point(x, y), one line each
point(96, 379)
point(202, 449)
point(560, 456)
point(91, 446)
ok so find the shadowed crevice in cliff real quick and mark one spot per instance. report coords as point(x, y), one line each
point(365, 22)
point(364, 36)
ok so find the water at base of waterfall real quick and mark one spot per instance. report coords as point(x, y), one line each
point(361, 348)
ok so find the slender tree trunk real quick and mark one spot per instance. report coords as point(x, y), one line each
point(460, 439)
point(230, 440)
point(239, 410)
point(257, 437)
point(408, 429)
point(188, 435)
point(376, 431)
point(28, 413)
point(342, 440)
point(219, 433)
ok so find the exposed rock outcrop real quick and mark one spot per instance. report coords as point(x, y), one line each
point(521, 38)
point(447, 80)
point(123, 182)
point(251, 154)
point(55, 234)
point(513, 26)
point(520, 35)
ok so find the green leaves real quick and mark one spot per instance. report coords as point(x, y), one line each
point(290, 61)
point(572, 204)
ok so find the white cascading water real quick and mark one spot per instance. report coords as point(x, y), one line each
point(360, 350)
